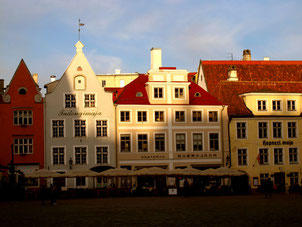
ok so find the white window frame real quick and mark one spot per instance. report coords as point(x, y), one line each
point(23, 117)
point(95, 100)
point(219, 142)
point(76, 101)
point(195, 122)
point(23, 145)
point(154, 145)
point(281, 105)
point(283, 161)
point(148, 142)
point(51, 158)
point(246, 130)
point(268, 130)
point(147, 116)
point(294, 163)
point(208, 116)
point(266, 105)
point(296, 107)
point(157, 110)
point(153, 93)
point(184, 92)
point(192, 140)
point(51, 127)
point(282, 127)
point(186, 142)
point(86, 127)
point(95, 128)
point(74, 155)
point(130, 116)
point(247, 156)
point(108, 155)
point(119, 143)
point(180, 122)
point(297, 129)
point(268, 155)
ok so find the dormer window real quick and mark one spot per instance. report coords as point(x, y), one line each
point(197, 94)
point(158, 92)
point(179, 93)
point(262, 105)
point(139, 94)
point(22, 91)
point(291, 105)
point(276, 105)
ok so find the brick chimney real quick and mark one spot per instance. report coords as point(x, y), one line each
point(232, 73)
point(155, 58)
point(35, 77)
point(247, 55)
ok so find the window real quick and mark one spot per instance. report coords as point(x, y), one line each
point(22, 91)
point(277, 129)
point(263, 178)
point(101, 128)
point(278, 156)
point(139, 94)
point(125, 116)
point(197, 141)
point(159, 142)
point(81, 155)
point(80, 128)
point(141, 116)
point(291, 129)
point(262, 105)
point(58, 156)
point(241, 130)
point(197, 94)
point(291, 105)
point(57, 128)
point(213, 116)
point(80, 181)
point(293, 155)
point(142, 142)
point(159, 116)
point(23, 146)
point(70, 101)
point(23, 117)
point(89, 100)
point(179, 93)
point(197, 116)
point(180, 142)
point(276, 105)
point(158, 92)
point(103, 83)
point(263, 156)
point(125, 143)
point(262, 130)
point(79, 82)
point(242, 157)
point(294, 179)
point(102, 155)
point(214, 142)
point(179, 116)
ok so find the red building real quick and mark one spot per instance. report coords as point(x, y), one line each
point(21, 122)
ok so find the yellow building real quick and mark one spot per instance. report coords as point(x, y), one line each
point(264, 100)
point(117, 79)
point(166, 121)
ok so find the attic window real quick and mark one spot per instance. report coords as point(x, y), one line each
point(79, 68)
point(197, 94)
point(139, 94)
point(22, 91)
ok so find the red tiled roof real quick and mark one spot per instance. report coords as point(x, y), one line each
point(261, 76)
point(191, 75)
point(128, 95)
point(116, 91)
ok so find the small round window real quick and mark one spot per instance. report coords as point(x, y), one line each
point(197, 94)
point(22, 91)
point(139, 94)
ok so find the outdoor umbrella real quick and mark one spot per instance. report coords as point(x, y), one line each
point(78, 173)
point(118, 172)
point(153, 171)
point(221, 172)
point(42, 173)
point(189, 171)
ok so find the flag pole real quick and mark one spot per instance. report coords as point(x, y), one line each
point(79, 29)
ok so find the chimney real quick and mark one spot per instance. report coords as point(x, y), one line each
point(247, 55)
point(117, 71)
point(52, 78)
point(35, 77)
point(1, 86)
point(232, 73)
point(266, 59)
point(155, 58)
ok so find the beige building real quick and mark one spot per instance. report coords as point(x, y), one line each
point(117, 79)
point(164, 120)
point(264, 100)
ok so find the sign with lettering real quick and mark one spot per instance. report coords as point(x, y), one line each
point(278, 142)
point(203, 156)
point(74, 113)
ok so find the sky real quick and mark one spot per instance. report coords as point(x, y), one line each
point(118, 34)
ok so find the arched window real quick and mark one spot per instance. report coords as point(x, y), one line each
point(197, 94)
point(22, 91)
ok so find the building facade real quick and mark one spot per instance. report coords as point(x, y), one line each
point(264, 99)
point(80, 123)
point(117, 79)
point(164, 120)
point(21, 120)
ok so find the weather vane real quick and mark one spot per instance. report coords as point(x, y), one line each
point(80, 24)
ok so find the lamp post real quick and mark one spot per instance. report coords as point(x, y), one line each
point(70, 163)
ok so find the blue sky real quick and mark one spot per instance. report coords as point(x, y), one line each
point(120, 33)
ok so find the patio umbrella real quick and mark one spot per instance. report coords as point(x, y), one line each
point(42, 173)
point(78, 173)
point(118, 172)
point(221, 172)
point(152, 171)
point(189, 171)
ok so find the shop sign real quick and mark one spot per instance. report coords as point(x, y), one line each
point(196, 156)
point(278, 142)
point(72, 113)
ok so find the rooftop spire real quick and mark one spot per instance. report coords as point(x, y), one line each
point(80, 24)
